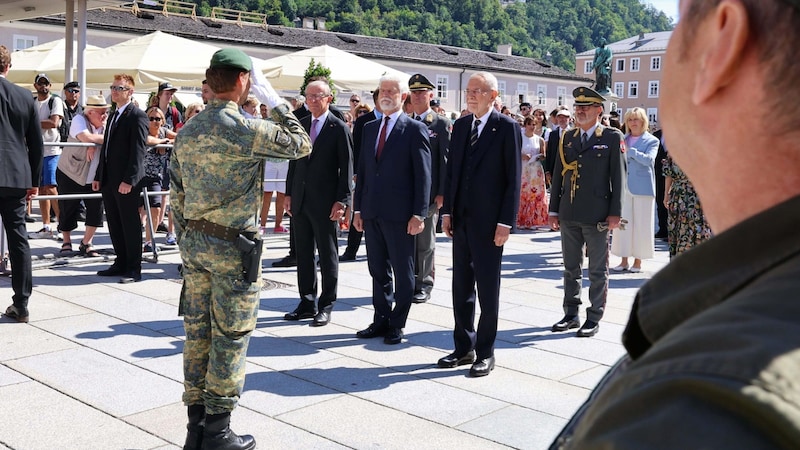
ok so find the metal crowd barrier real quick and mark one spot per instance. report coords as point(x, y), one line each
point(144, 193)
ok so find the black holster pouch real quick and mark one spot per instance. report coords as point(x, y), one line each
point(251, 256)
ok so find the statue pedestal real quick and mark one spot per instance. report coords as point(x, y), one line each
point(611, 103)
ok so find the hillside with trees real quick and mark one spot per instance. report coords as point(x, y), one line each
point(552, 30)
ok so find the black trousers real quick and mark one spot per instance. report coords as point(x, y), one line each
point(313, 229)
point(390, 251)
point(476, 262)
point(353, 241)
point(124, 227)
point(69, 209)
point(12, 210)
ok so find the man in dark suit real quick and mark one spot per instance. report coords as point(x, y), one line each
point(480, 206)
point(439, 136)
point(302, 112)
point(20, 169)
point(585, 203)
point(562, 120)
point(118, 175)
point(391, 204)
point(658, 169)
point(317, 194)
point(354, 236)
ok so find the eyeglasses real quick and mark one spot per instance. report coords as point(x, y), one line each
point(584, 107)
point(119, 88)
point(155, 119)
point(355, 100)
point(474, 92)
point(317, 97)
point(43, 83)
point(74, 91)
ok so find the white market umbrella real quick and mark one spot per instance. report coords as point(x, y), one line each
point(348, 71)
point(44, 58)
point(156, 58)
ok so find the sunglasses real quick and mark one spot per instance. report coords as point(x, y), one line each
point(74, 91)
point(355, 100)
point(155, 119)
point(119, 88)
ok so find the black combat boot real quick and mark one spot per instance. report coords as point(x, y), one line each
point(218, 435)
point(197, 421)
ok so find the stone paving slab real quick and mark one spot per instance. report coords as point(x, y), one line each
point(107, 384)
point(38, 417)
point(109, 357)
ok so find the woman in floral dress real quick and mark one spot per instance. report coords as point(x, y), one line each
point(533, 194)
point(686, 223)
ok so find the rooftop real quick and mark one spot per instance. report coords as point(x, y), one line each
point(643, 42)
point(293, 39)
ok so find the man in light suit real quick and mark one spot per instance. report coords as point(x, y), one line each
point(391, 204)
point(317, 193)
point(585, 203)
point(118, 175)
point(480, 206)
point(439, 136)
point(20, 169)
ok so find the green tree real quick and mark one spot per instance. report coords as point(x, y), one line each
point(317, 70)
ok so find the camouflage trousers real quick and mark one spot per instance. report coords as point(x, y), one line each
point(220, 310)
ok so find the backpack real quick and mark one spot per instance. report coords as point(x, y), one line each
point(63, 128)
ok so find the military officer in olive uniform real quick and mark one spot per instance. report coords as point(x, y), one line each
point(216, 170)
point(585, 203)
point(439, 136)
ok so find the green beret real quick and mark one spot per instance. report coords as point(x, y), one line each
point(231, 58)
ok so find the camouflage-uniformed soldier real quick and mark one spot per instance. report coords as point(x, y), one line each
point(585, 203)
point(216, 173)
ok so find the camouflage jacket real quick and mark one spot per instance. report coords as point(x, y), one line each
point(217, 164)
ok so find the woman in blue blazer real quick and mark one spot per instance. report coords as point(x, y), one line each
point(638, 204)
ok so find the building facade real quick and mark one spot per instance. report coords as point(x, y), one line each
point(636, 71)
point(520, 79)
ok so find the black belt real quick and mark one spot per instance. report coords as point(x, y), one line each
point(218, 231)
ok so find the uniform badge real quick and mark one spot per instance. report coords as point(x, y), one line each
point(429, 118)
point(431, 134)
point(600, 147)
point(282, 138)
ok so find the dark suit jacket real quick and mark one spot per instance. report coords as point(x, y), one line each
point(552, 151)
point(495, 177)
point(358, 128)
point(601, 167)
point(322, 178)
point(20, 138)
point(122, 158)
point(439, 136)
point(399, 185)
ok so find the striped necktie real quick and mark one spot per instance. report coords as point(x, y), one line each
point(473, 137)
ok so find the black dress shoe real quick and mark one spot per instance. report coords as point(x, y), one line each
point(305, 310)
point(112, 271)
point(131, 277)
point(421, 297)
point(589, 329)
point(453, 360)
point(18, 314)
point(482, 367)
point(345, 257)
point(567, 323)
point(372, 331)
point(321, 319)
point(394, 336)
point(289, 261)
